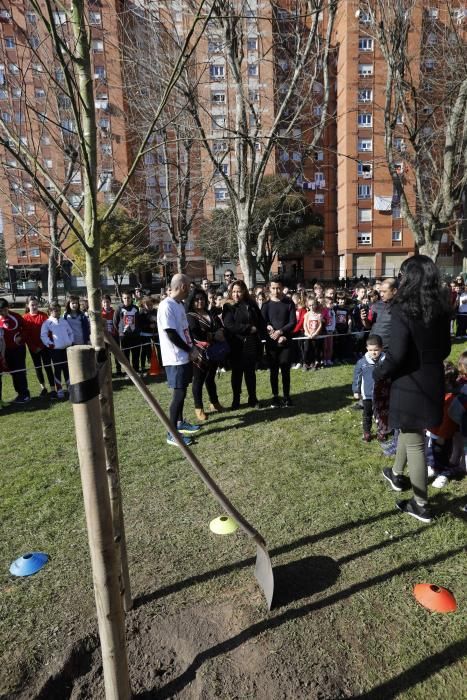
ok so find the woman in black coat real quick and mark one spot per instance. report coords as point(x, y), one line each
point(244, 328)
point(419, 342)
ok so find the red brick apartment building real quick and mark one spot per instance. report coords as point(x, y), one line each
point(346, 179)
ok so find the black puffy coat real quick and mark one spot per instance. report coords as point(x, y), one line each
point(414, 363)
point(238, 319)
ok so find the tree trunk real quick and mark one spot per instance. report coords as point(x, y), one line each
point(430, 248)
point(53, 258)
point(181, 257)
point(244, 255)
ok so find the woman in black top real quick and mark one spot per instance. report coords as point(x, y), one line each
point(244, 328)
point(279, 315)
point(205, 328)
point(419, 342)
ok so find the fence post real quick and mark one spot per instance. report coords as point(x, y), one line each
point(84, 395)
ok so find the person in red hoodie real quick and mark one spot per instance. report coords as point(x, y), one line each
point(15, 350)
point(298, 346)
point(32, 323)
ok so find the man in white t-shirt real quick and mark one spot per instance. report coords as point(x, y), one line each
point(177, 352)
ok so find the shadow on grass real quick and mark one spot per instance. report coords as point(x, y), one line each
point(442, 503)
point(270, 623)
point(303, 578)
point(418, 673)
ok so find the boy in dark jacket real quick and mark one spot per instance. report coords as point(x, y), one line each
point(363, 382)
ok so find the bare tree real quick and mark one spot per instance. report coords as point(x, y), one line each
point(246, 120)
point(425, 113)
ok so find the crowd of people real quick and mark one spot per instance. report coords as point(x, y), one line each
point(396, 332)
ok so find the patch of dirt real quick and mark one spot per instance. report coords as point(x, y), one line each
point(207, 651)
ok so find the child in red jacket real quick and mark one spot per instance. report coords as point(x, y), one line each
point(15, 350)
point(32, 324)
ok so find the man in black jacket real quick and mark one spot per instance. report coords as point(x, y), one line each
point(279, 315)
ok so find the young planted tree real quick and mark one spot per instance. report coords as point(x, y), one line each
point(425, 113)
point(255, 97)
point(291, 226)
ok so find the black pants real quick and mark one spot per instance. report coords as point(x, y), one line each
point(176, 406)
point(441, 454)
point(39, 358)
point(240, 370)
point(367, 415)
point(204, 375)
point(313, 351)
point(279, 359)
point(16, 363)
point(146, 350)
point(131, 344)
point(60, 367)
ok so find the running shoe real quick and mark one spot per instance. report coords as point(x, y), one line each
point(187, 428)
point(171, 440)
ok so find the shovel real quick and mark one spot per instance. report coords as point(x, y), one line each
point(263, 567)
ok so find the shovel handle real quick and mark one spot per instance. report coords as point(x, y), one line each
point(190, 456)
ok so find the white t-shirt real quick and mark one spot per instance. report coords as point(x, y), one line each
point(171, 314)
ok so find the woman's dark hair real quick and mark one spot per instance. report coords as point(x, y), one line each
point(243, 287)
point(196, 292)
point(421, 294)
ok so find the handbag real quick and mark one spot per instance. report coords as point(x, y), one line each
point(218, 351)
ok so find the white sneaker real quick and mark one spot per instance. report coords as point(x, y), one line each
point(297, 366)
point(431, 472)
point(440, 481)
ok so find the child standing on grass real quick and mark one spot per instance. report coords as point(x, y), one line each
point(313, 324)
point(363, 382)
point(330, 328)
point(3, 367)
point(33, 320)
point(77, 320)
point(440, 438)
point(57, 336)
point(298, 346)
point(15, 350)
point(343, 322)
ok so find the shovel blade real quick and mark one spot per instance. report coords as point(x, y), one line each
point(263, 573)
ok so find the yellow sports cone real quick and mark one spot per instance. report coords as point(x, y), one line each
point(223, 525)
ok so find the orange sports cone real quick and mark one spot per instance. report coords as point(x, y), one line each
point(435, 598)
point(154, 368)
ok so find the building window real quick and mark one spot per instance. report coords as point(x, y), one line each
point(97, 45)
point(365, 69)
point(252, 44)
point(222, 169)
point(35, 253)
point(319, 155)
point(253, 95)
point(365, 215)
point(429, 63)
point(219, 146)
point(364, 191)
point(365, 119)
point(39, 93)
point(14, 69)
point(319, 179)
point(6, 117)
point(252, 70)
point(9, 42)
point(95, 18)
point(221, 194)
point(317, 110)
point(396, 212)
point(365, 43)
point(364, 17)
point(218, 121)
point(397, 237)
point(106, 149)
point(218, 97)
point(319, 198)
point(99, 72)
point(30, 208)
point(363, 238)
point(365, 145)
point(31, 17)
point(216, 71)
point(432, 12)
point(59, 17)
point(5, 15)
point(214, 46)
point(22, 253)
point(102, 101)
point(365, 95)
point(3, 94)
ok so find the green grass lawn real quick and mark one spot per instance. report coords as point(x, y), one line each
point(346, 559)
